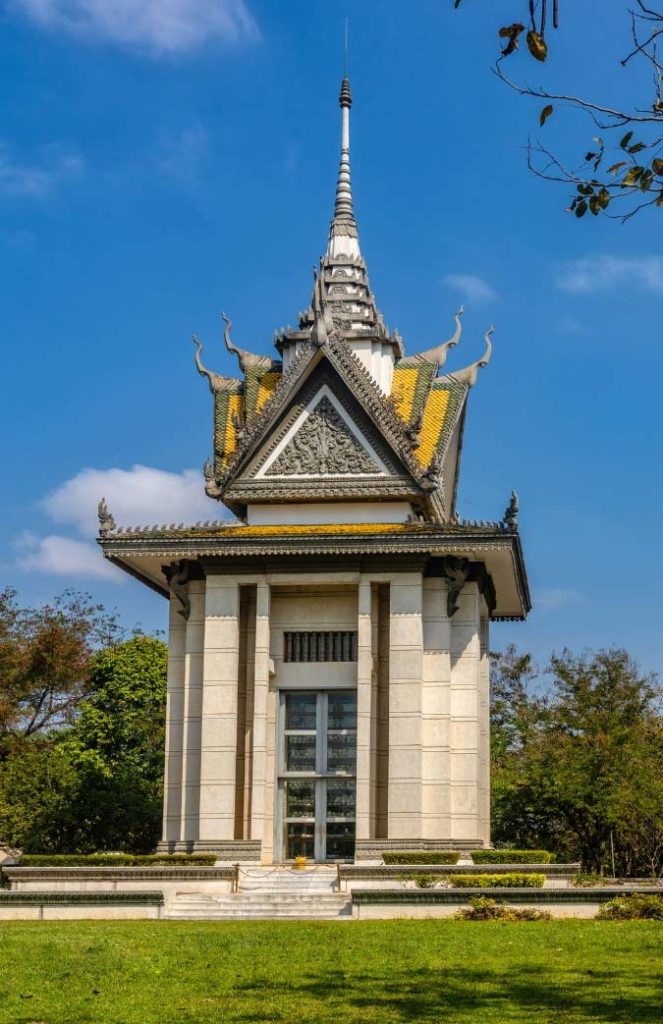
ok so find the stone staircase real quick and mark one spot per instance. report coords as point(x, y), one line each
point(269, 893)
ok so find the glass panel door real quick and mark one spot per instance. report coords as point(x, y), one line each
point(317, 784)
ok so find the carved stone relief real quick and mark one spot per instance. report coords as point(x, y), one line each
point(324, 445)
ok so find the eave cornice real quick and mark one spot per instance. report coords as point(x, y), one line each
point(230, 541)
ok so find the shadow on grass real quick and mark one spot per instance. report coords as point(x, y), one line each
point(427, 995)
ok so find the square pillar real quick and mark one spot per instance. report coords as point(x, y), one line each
point(405, 706)
point(260, 711)
point(465, 713)
point(218, 761)
point(436, 796)
point(484, 726)
point(365, 808)
point(172, 786)
point(191, 719)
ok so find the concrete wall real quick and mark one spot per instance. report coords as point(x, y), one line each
point(422, 688)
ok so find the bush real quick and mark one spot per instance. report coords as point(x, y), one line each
point(421, 857)
point(586, 879)
point(425, 881)
point(635, 907)
point(115, 860)
point(482, 908)
point(511, 856)
point(513, 880)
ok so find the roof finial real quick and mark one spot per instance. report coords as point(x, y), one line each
point(343, 223)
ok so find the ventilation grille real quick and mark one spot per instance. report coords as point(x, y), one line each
point(320, 646)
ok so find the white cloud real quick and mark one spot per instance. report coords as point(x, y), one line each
point(37, 179)
point(165, 26)
point(136, 497)
point(552, 599)
point(64, 556)
point(472, 288)
point(596, 273)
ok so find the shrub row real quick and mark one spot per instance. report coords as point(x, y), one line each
point(514, 880)
point(421, 857)
point(512, 856)
point(115, 860)
point(478, 856)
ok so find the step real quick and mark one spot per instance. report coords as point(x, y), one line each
point(226, 906)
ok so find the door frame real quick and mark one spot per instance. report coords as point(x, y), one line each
point(320, 777)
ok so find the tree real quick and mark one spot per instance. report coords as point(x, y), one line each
point(580, 762)
point(622, 171)
point(96, 784)
point(45, 656)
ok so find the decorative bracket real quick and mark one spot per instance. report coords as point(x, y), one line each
point(178, 575)
point(455, 572)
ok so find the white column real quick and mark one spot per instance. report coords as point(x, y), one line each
point(172, 786)
point(219, 720)
point(193, 695)
point(405, 684)
point(484, 727)
point(465, 716)
point(436, 797)
point(365, 796)
point(260, 699)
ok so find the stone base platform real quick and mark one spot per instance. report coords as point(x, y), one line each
point(77, 906)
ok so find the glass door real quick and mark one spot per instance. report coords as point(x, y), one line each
point(317, 784)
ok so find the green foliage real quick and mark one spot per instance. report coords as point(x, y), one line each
point(636, 907)
point(511, 856)
point(483, 908)
point(597, 187)
point(580, 760)
point(96, 785)
point(45, 656)
point(421, 857)
point(588, 879)
point(512, 880)
point(116, 860)
point(425, 881)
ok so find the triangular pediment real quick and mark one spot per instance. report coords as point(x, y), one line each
point(327, 443)
point(323, 442)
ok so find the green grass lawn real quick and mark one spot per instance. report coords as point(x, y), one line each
point(300, 973)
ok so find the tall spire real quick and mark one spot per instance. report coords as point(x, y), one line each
point(343, 235)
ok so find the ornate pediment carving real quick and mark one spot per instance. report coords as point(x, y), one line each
point(324, 446)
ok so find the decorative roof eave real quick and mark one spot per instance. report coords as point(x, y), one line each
point(487, 541)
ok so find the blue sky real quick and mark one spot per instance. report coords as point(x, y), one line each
point(161, 160)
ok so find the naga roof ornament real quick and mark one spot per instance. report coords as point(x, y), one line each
point(469, 374)
point(438, 354)
point(342, 339)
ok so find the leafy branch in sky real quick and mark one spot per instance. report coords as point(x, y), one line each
point(622, 171)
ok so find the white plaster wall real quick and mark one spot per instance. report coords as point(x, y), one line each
point(310, 607)
point(465, 717)
point(436, 792)
point(330, 513)
point(219, 725)
point(405, 697)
